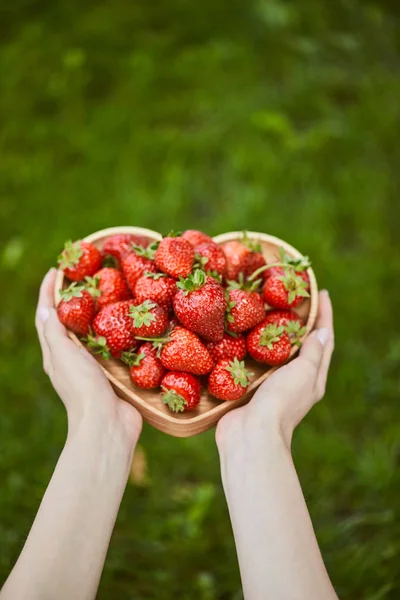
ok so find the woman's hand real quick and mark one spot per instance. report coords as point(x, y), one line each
point(284, 399)
point(76, 375)
point(273, 531)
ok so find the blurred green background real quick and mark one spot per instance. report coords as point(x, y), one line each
point(279, 116)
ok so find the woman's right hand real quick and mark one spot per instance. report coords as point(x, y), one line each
point(284, 399)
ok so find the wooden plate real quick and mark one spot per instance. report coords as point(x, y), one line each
point(210, 410)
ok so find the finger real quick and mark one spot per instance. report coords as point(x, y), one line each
point(312, 350)
point(325, 319)
point(55, 333)
point(325, 313)
point(45, 301)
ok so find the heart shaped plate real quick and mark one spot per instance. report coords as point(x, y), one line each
point(210, 410)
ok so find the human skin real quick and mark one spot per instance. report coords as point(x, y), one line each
point(65, 551)
point(277, 549)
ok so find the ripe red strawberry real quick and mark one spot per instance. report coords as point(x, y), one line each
point(285, 291)
point(113, 329)
point(200, 305)
point(120, 244)
point(196, 237)
point(138, 262)
point(236, 259)
point(269, 343)
point(146, 370)
point(254, 261)
point(181, 391)
point(158, 287)
point(107, 286)
point(282, 317)
point(284, 262)
point(79, 259)
point(229, 347)
point(228, 380)
point(290, 320)
point(211, 258)
point(255, 258)
point(175, 256)
point(148, 319)
point(280, 271)
point(245, 310)
point(186, 352)
point(76, 309)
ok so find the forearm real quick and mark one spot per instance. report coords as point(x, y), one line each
point(277, 549)
point(64, 554)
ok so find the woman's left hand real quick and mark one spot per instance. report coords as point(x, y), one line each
point(75, 374)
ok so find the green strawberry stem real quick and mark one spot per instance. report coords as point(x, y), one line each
point(92, 286)
point(71, 254)
point(158, 343)
point(295, 331)
point(248, 285)
point(270, 335)
point(239, 373)
point(131, 358)
point(141, 314)
point(174, 401)
point(294, 285)
point(148, 252)
point(98, 345)
point(286, 261)
point(265, 268)
point(253, 245)
point(73, 291)
point(155, 276)
point(193, 282)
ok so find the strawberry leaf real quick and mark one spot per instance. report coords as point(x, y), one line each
point(73, 291)
point(71, 254)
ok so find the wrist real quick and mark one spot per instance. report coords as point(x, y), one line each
point(246, 437)
point(119, 427)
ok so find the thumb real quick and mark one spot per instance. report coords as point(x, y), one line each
point(54, 332)
point(312, 349)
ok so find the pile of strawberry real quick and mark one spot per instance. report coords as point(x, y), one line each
point(183, 308)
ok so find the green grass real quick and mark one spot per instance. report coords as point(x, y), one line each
point(277, 116)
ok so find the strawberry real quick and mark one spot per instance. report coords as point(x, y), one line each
point(184, 351)
point(181, 391)
point(148, 319)
point(76, 309)
point(229, 347)
point(237, 255)
point(255, 259)
point(245, 310)
point(211, 258)
point(107, 286)
point(269, 343)
point(196, 237)
point(278, 266)
point(158, 287)
point(175, 256)
point(146, 370)
point(120, 244)
point(200, 305)
point(113, 329)
point(291, 321)
point(285, 291)
point(282, 317)
point(228, 380)
point(79, 259)
point(138, 262)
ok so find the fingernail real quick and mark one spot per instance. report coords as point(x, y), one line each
point(322, 335)
point(43, 314)
point(325, 292)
